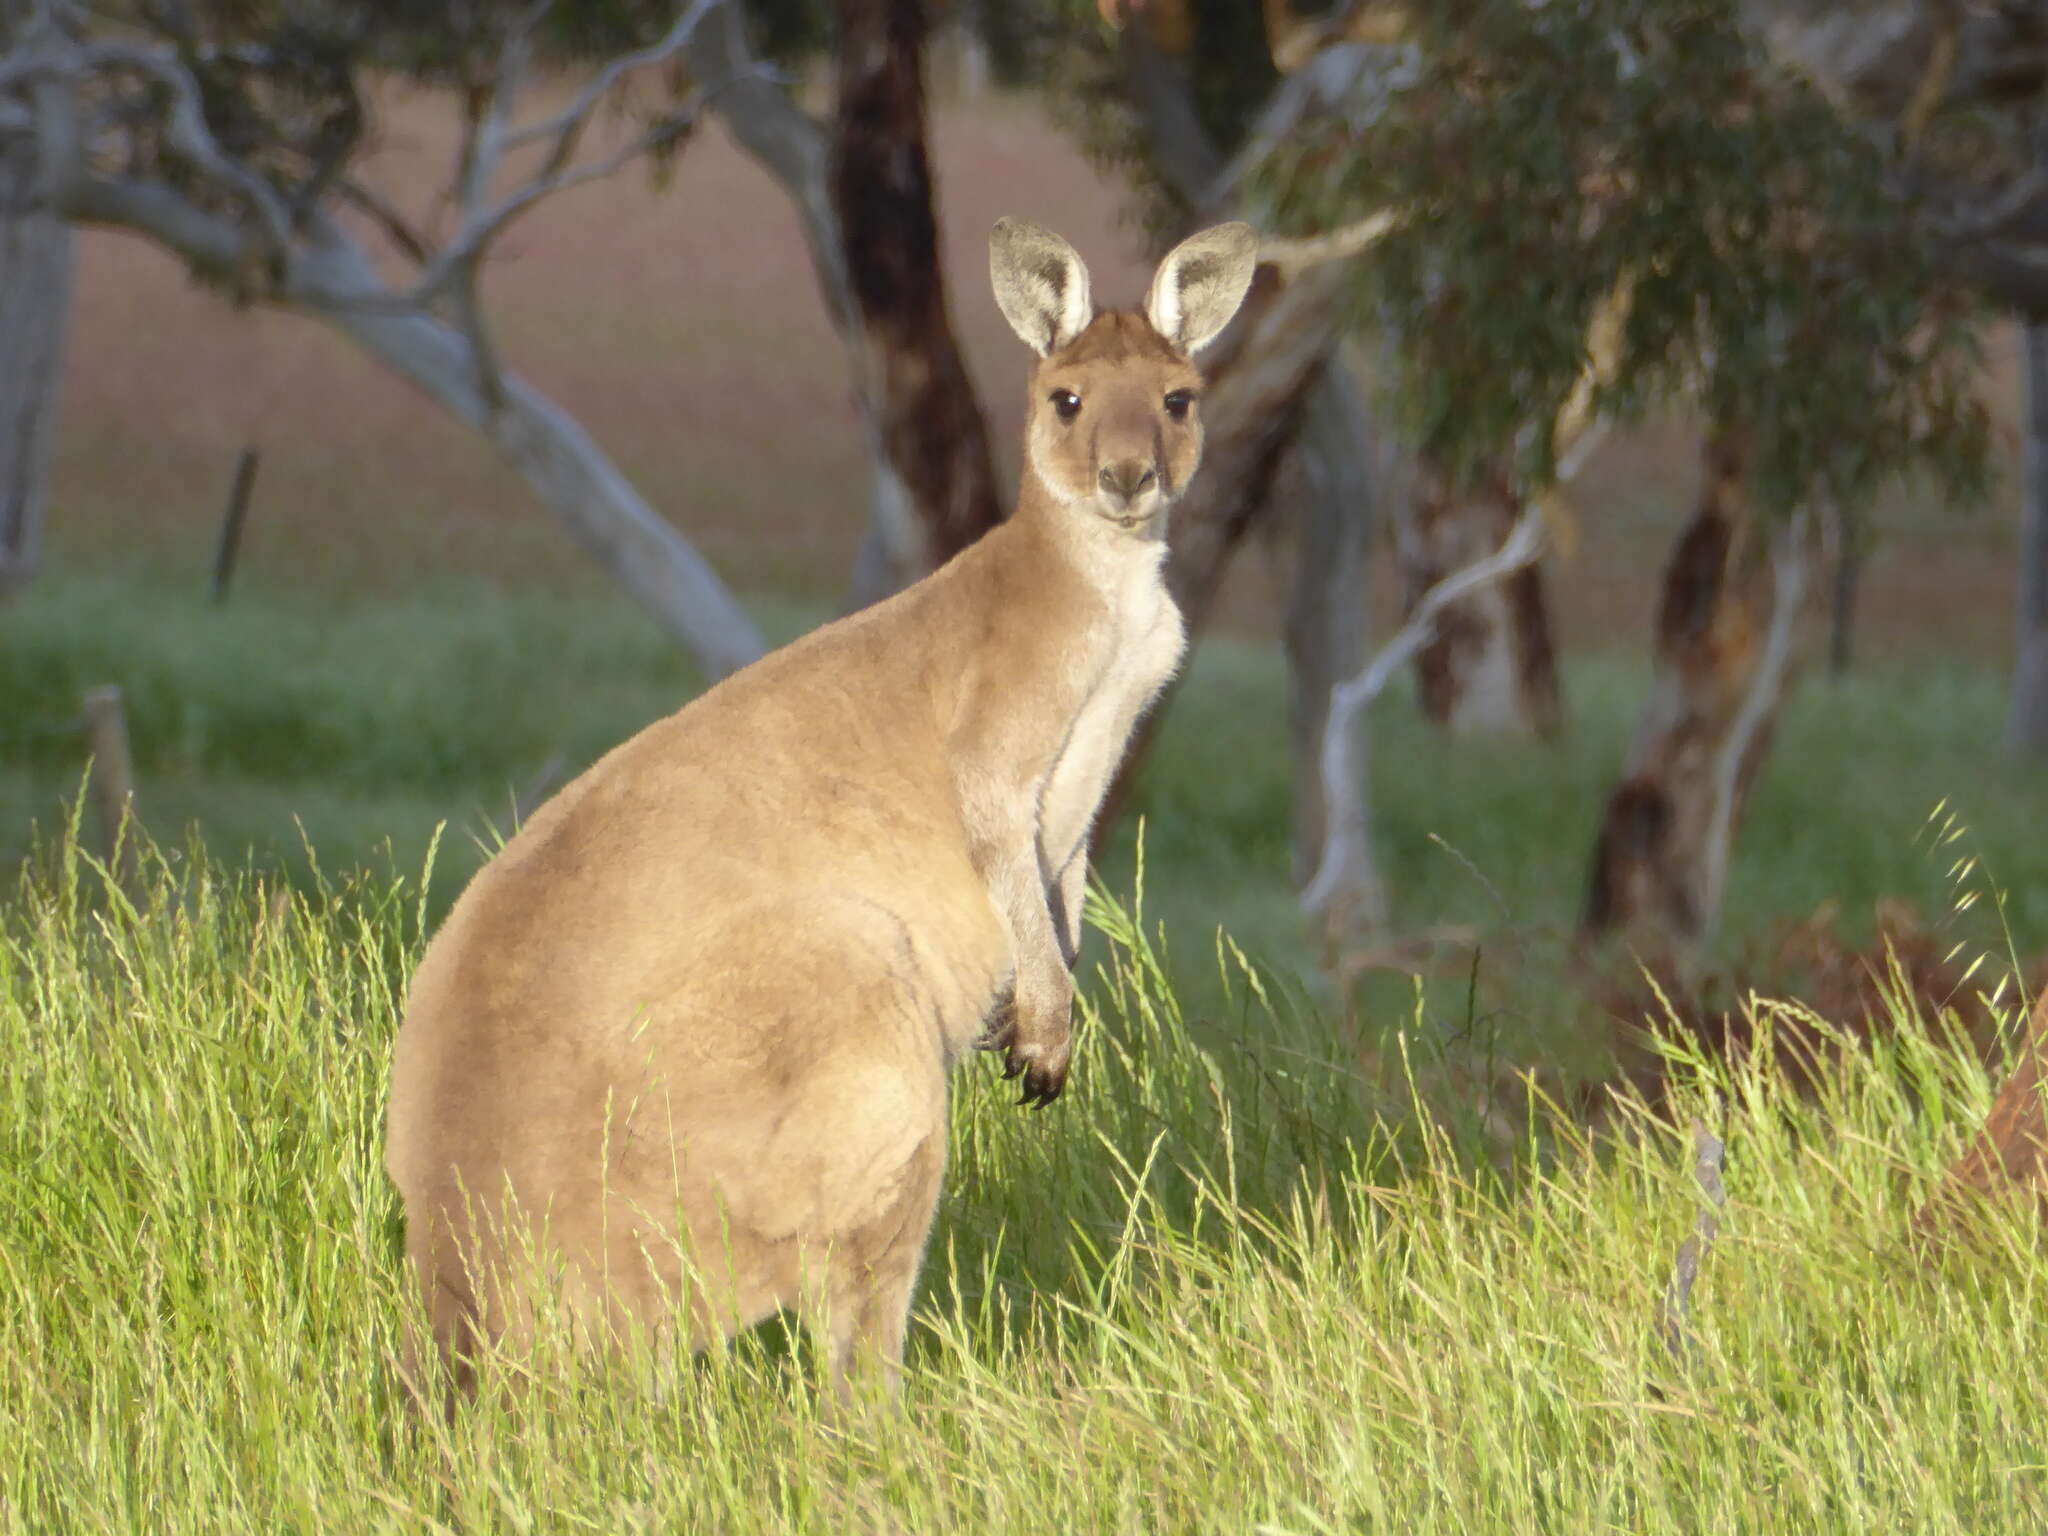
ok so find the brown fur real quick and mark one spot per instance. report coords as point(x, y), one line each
point(685, 1039)
point(2010, 1152)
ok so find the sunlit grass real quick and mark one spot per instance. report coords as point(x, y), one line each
point(1234, 1281)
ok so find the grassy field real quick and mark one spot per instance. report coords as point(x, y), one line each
point(1239, 1280)
point(361, 727)
point(1281, 1261)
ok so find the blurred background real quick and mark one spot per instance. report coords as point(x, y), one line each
point(1727, 309)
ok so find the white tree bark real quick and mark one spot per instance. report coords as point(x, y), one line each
point(1735, 762)
point(1728, 615)
point(1326, 633)
point(1343, 775)
point(1491, 667)
point(548, 448)
point(35, 298)
point(236, 230)
point(2026, 721)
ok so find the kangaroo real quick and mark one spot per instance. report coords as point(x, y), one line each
point(684, 1041)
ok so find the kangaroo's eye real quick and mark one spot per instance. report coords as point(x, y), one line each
point(1179, 403)
point(1067, 403)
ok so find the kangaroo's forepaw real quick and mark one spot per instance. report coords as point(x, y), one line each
point(1043, 1068)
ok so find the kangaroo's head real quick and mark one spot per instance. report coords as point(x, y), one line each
point(1115, 424)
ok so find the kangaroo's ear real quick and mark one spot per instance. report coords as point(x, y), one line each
point(1201, 283)
point(1041, 285)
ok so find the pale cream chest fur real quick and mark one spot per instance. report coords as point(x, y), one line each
point(1143, 644)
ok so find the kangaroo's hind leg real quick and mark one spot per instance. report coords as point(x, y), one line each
point(859, 1308)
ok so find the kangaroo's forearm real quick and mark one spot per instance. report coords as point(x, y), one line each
point(1067, 896)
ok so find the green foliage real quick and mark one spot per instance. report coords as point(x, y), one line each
point(283, 83)
point(1546, 153)
point(1235, 1281)
point(1086, 96)
point(1226, 71)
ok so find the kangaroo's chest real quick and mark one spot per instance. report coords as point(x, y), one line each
point(1144, 646)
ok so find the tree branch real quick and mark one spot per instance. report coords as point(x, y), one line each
point(1181, 151)
point(566, 126)
point(1903, 67)
point(312, 265)
point(1331, 75)
point(456, 262)
point(186, 131)
point(1292, 257)
point(483, 141)
point(1790, 561)
point(394, 225)
point(207, 241)
point(453, 267)
point(786, 140)
point(1574, 433)
point(1522, 546)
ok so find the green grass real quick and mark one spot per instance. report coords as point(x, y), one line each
point(367, 725)
point(1234, 1281)
point(370, 723)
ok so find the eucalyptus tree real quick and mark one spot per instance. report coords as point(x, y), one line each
point(859, 182)
point(233, 136)
point(1960, 93)
point(1655, 157)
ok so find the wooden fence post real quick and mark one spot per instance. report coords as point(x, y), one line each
point(113, 778)
point(230, 543)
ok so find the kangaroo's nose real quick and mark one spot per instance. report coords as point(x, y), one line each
point(1126, 479)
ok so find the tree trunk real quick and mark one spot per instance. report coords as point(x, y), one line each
point(35, 297)
point(2026, 721)
point(928, 423)
point(793, 148)
point(1326, 632)
point(1491, 667)
point(789, 144)
point(1258, 381)
point(2012, 1148)
point(1724, 649)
